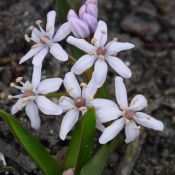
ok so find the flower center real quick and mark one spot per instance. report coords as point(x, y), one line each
point(101, 51)
point(129, 114)
point(28, 93)
point(45, 39)
point(79, 102)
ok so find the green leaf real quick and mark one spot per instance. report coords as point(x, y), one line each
point(104, 91)
point(99, 161)
point(82, 141)
point(44, 160)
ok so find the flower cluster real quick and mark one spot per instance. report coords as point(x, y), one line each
point(81, 97)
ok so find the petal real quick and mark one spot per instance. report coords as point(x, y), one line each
point(48, 107)
point(111, 131)
point(100, 73)
point(39, 57)
point(50, 26)
point(36, 76)
point(30, 53)
point(32, 112)
point(138, 103)
point(62, 32)
point(92, 9)
point(148, 121)
point(131, 131)
point(49, 85)
point(66, 103)
point(119, 66)
point(68, 123)
point(113, 47)
point(18, 106)
point(108, 114)
point(83, 63)
point(72, 86)
point(120, 92)
point(99, 126)
point(81, 44)
point(58, 52)
point(35, 35)
point(100, 35)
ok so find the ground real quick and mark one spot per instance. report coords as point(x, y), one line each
point(150, 25)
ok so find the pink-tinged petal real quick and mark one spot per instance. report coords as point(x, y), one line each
point(112, 131)
point(100, 126)
point(50, 26)
point(131, 131)
point(49, 85)
point(62, 32)
point(18, 106)
point(100, 73)
point(66, 103)
point(83, 63)
point(108, 114)
point(72, 86)
point(33, 114)
point(39, 57)
point(36, 76)
point(82, 11)
point(113, 47)
point(81, 44)
point(30, 54)
point(119, 66)
point(36, 35)
point(100, 35)
point(121, 93)
point(68, 122)
point(148, 121)
point(58, 52)
point(138, 103)
point(48, 107)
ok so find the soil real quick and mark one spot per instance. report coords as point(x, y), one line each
point(150, 25)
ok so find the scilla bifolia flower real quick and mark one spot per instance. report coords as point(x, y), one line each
point(46, 41)
point(32, 97)
point(100, 53)
point(125, 116)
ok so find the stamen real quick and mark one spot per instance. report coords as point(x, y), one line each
point(12, 85)
point(83, 85)
point(71, 107)
point(19, 79)
point(38, 22)
point(148, 117)
point(35, 46)
point(62, 98)
point(31, 27)
point(44, 40)
point(93, 40)
point(48, 29)
point(27, 38)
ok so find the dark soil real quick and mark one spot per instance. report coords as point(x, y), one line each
point(150, 25)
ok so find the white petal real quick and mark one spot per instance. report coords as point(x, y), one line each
point(35, 35)
point(58, 52)
point(99, 126)
point(101, 34)
point(66, 103)
point(138, 103)
point(48, 107)
point(131, 131)
point(81, 44)
point(36, 76)
point(111, 131)
point(108, 114)
point(50, 26)
point(100, 73)
point(39, 57)
point(30, 54)
point(99, 103)
point(72, 86)
point(18, 106)
point(120, 92)
point(148, 121)
point(32, 112)
point(113, 47)
point(68, 123)
point(119, 66)
point(62, 32)
point(83, 63)
point(49, 85)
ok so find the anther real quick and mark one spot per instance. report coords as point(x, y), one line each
point(27, 38)
point(101, 57)
point(115, 39)
point(62, 98)
point(31, 27)
point(19, 79)
point(83, 85)
point(70, 89)
point(10, 97)
point(12, 84)
point(93, 40)
point(38, 22)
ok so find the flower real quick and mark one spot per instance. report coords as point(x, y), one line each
point(80, 102)
point(126, 116)
point(32, 97)
point(46, 41)
point(100, 54)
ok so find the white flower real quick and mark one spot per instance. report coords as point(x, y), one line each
point(46, 41)
point(32, 97)
point(127, 116)
point(80, 101)
point(100, 53)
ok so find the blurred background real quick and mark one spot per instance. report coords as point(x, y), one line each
point(150, 25)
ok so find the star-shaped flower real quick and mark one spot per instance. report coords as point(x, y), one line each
point(101, 54)
point(79, 102)
point(46, 41)
point(125, 116)
point(32, 98)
